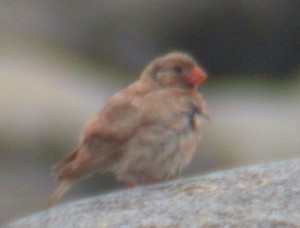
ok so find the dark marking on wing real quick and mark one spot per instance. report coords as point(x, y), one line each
point(193, 117)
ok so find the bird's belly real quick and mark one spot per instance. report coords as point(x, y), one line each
point(159, 153)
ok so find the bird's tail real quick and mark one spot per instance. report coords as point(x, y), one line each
point(67, 172)
point(61, 189)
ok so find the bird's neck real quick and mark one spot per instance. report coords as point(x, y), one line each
point(141, 88)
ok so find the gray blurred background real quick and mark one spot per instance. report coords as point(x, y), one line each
point(60, 60)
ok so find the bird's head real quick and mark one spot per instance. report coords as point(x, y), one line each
point(174, 70)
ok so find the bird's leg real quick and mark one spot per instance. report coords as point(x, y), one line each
point(129, 183)
point(150, 179)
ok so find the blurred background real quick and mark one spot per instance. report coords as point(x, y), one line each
point(60, 60)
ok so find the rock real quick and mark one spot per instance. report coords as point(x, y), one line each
point(260, 196)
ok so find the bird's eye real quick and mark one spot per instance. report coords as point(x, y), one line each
point(178, 69)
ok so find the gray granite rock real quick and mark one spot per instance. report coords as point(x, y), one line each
point(259, 196)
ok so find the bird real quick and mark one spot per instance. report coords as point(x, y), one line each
point(147, 132)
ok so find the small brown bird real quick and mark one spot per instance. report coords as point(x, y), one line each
point(146, 132)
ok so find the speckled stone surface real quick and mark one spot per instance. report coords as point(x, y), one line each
point(259, 196)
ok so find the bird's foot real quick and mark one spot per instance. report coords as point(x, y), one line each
point(130, 183)
point(150, 179)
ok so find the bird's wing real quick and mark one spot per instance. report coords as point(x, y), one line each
point(116, 121)
point(100, 144)
point(102, 138)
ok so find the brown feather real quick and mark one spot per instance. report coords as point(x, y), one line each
point(61, 189)
point(147, 131)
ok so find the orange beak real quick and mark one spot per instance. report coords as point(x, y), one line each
point(197, 76)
